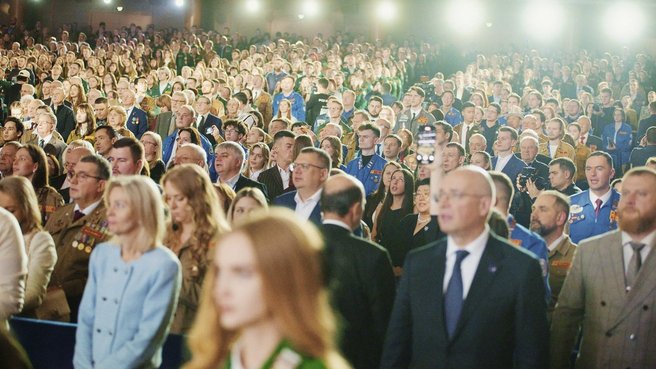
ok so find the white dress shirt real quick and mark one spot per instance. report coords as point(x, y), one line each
point(232, 182)
point(604, 198)
point(89, 209)
point(285, 175)
point(502, 161)
point(552, 246)
point(469, 264)
point(304, 208)
point(338, 223)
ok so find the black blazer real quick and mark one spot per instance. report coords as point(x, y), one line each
point(503, 323)
point(244, 181)
point(361, 283)
point(206, 128)
point(57, 182)
point(272, 181)
point(65, 120)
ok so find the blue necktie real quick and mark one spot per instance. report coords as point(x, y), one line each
point(453, 299)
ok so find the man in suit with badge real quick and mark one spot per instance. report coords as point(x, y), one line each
point(505, 161)
point(548, 219)
point(610, 290)
point(594, 211)
point(368, 167)
point(206, 121)
point(137, 121)
point(415, 116)
point(468, 127)
point(471, 300)
point(76, 229)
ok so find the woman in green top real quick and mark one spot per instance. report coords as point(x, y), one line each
point(263, 304)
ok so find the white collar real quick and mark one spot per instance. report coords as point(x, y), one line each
point(89, 208)
point(312, 199)
point(474, 247)
point(552, 246)
point(648, 240)
point(604, 198)
point(338, 223)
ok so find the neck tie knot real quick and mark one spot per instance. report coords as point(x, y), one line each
point(460, 255)
point(77, 215)
point(597, 209)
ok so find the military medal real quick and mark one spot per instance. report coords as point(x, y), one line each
point(74, 244)
point(80, 246)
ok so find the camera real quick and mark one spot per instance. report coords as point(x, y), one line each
point(532, 174)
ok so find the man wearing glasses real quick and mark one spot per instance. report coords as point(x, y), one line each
point(76, 229)
point(311, 170)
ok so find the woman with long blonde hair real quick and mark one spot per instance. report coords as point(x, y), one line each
point(263, 302)
point(196, 222)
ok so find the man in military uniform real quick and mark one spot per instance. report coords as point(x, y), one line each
point(77, 228)
point(594, 211)
point(368, 167)
point(548, 219)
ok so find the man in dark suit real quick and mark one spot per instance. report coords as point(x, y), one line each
point(586, 137)
point(278, 179)
point(311, 171)
point(62, 183)
point(359, 274)
point(228, 162)
point(65, 115)
point(648, 122)
point(471, 300)
point(641, 154)
point(206, 120)
point(45, 138)
point(505, 161)
point(137, 121)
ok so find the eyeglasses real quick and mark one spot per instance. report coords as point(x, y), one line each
point(230, 130)
point(454, 195)
point(306, 166)
point(83, 176)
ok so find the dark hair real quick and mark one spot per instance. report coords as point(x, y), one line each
point(605, 155)
point(565, 164)
point(340, 202)
point(323, 82)
point(418, 90)
point(448, 129)
point(20, 127)
point(323, 156)
point(282, 134)
point(376, 98)
point(505, 182)
point(370, 127)
point(241, 97)
point(408, 198)
point(101, 100)
point(301, 142)
point(459, 147)
point(136, 147)
point(193, 132)
point(103, 169)
point(111, 132)
point(496, 107)
point(467, 104)
point(239, 126)
point(511, 130)
point(651, 135)
point(422, 182)
point(38, 156)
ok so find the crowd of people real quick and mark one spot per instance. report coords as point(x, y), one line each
point(145, 175)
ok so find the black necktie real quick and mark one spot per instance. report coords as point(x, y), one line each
point(453, 298)
point(77, 215)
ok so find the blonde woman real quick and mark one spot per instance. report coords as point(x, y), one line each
point(152, 143)
point(116, 118)
point(196, 222)
point(246, 200)
point(133, 283)
point(18, 197)
point(263, 303)
point(258, 160)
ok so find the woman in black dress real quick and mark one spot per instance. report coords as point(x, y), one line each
point(378, 196)
point(420, 228)
point(397, 204)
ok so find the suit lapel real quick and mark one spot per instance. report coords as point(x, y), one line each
point(487, 269)
point(434, 280)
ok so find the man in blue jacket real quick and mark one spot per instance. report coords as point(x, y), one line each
point(137, 121)
point(594, 211)
point(368, 167)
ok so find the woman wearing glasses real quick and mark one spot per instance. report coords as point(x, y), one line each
point(133, 284)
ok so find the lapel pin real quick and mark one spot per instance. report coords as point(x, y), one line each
point(492, 268)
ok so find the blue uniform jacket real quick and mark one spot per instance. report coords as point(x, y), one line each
point(298, 104)
point(531, 241)
point(370, 175)
point(169, 142)
point(582, 221)
point(287, 200)
point(453, 117)
point(512, 168)
point(623, 143)
point(137, 122)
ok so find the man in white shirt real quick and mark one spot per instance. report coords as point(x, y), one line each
point(311, 170)
point(611, 288)
point(505, 161)
point(46, 123)
point(491, 291)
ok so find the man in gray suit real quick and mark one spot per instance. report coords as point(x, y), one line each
point(610, 291)
point(165, 123)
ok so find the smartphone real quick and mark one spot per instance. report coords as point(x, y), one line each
point(426, 144)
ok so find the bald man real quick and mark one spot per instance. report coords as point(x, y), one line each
point(471, 300)
point(360, 273)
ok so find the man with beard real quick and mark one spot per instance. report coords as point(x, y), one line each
point(548, 219)
point(611, 288)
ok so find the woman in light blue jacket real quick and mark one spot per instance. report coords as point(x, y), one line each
point(133, 284)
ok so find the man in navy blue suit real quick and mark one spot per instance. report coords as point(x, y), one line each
point(207, 122)
point(137, 121)
point(311, 170)
point(505, 161)
point(228, 163)
point(471, 300)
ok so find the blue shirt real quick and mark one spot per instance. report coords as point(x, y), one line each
point(453, 117)
point(531, 241)
point(126, 309)
point(582, 221)
point(623, 140)
point(298, 104)
point(370, 175)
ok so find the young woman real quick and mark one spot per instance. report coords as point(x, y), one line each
point(30, 162)
point(333, 146)
point(196, 222)
point(85, 124)
point(246, 200)
point(133, 283)
point(17, 196)
point(152, 144)
point(258, 160)
point(76, 96)
point(116, 117)
point(373, 200)
point(285, 110)
point(263, 304)
point(397, 204)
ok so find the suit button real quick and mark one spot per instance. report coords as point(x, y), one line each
point(603, 303)
point(645, 307)
point(115, 270)
point(632, 337)
point(609, 334)
point(110, 333)
point(98, 331)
